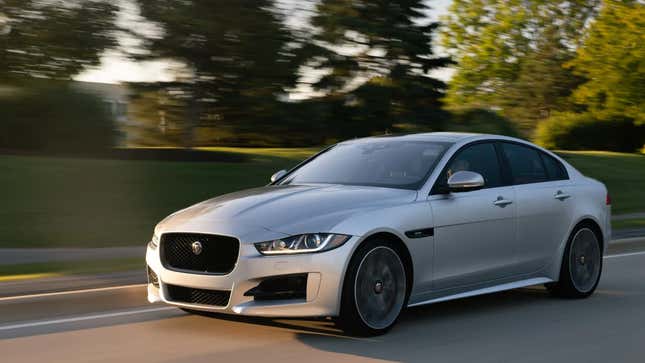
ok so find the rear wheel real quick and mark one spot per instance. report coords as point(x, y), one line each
point(581, 264)
point(375, 289)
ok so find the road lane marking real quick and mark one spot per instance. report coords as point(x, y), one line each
point(626, 254)
point(131, 312)
point(47, 294)
point(83, 318)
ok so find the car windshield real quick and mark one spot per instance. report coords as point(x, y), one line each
point(386, 163)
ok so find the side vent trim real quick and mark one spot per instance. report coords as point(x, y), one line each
point(420, 233)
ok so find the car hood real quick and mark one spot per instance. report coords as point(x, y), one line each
point(275, 211)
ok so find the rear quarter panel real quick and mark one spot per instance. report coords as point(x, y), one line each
point(588, 197)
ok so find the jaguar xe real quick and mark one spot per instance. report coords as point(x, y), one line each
point(368, 227)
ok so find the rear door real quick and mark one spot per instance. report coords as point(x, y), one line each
point(475, 230)
point(543, 198)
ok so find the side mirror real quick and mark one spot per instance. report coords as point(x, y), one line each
point(465, 181)
point(278, 174)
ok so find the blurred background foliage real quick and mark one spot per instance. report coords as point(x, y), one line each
point(244, 75)
point(51, 117)
point(253, 86)
point(53, 39)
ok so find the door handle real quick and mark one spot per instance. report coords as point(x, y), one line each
point(501, 202)
point(561, 196)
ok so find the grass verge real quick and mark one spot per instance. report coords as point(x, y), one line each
point(628, 223)
point(68, 202)
point(53, 269)
point(623, 174)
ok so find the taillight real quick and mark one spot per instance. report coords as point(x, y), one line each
point(608, 199)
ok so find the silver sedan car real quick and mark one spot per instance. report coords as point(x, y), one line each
point(368, 227)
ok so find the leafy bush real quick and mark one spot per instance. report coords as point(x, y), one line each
point(581, 131)
point(55, 119)
point(480, 120)
point(463, 120)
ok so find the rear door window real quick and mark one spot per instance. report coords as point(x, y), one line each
point(525, 163)
point(554, 169)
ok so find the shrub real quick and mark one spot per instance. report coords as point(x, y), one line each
point(581, 131)
point(480, 120)
point(55, 119)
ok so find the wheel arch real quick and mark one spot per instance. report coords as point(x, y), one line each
point(401, 248)
point(584, 220)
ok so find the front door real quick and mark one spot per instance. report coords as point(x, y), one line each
point(474, 231)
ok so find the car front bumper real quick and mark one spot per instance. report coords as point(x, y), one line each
point(324, 271)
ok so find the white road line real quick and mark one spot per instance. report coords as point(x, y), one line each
point(83, 318)
point(626, 254)
point(130, 312)
point(47, 294)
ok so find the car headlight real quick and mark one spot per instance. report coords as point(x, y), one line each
point(154, 242)
point(302, 243)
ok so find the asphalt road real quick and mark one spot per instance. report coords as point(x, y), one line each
point(527, 325)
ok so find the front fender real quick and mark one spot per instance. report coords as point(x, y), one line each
point(397, 220)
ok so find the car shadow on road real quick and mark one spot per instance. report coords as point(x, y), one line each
point(324, 329)
point(318, 326)
point(506, 326)
point(450, 329)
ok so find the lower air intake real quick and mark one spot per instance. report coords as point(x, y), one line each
point(152, 277)
point(191, 295)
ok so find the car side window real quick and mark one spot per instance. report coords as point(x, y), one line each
point(554, 169)
point(525, 163)
point(480, 158)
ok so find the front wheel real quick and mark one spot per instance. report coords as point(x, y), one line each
point(581, 264)
point(375, 289)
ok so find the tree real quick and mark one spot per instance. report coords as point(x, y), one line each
point(612, 59)
point(378, 55)
point(510, 54)
point(237, 56)
point(543, 84)
point(53, 39)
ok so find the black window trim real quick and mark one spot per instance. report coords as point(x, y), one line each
point(302, 163)
point(438, 189)
point(541, 154)
point(559, 164)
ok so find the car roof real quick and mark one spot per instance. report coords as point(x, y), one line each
point(451, 137)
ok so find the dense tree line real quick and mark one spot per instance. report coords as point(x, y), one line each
point(373, 58)
point(53, 39)
point(572, 70)
point(366, 66)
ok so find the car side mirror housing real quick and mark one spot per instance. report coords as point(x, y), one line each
point(277, 175)
point(465, 181)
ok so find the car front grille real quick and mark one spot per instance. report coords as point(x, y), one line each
point(217, 255)
point(197, 296)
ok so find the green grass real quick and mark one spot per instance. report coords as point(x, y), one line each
point(56, 202)
point(15, 272)
point(624, 175)
point(257, 152)
point(628, 223)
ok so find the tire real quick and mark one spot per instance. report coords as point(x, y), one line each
point(375, 289)
point(581, 264)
